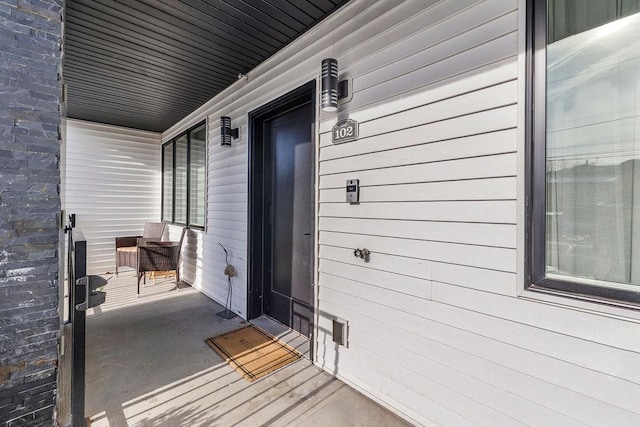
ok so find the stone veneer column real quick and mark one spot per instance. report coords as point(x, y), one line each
point(30, 115)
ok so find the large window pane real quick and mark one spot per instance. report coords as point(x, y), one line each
point(197, 176)
point(593, 141)
point(181, 180)
point(167, 182)
point(184, 178)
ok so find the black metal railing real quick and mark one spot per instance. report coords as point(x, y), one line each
point(76, 268)
point(82, 294)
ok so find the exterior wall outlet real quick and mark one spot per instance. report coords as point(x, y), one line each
point(341, 332)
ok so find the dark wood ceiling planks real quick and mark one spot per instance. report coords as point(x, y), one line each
point(146, 64)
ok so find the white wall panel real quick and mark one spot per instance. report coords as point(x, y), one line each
point(437, 330)
point(112, 184)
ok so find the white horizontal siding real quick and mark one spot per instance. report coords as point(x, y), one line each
point(559, 389)
point(112, 184)
point(439, 212)
point(226, 221)
point(437, 331)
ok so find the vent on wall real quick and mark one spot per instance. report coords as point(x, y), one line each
point(341, 332)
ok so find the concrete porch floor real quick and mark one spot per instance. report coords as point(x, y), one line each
point(148, 365)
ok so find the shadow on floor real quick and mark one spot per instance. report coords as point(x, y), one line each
point(148, 365)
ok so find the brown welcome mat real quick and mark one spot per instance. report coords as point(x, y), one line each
point(252, 352)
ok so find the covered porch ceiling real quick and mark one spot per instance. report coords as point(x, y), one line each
point(146, 64)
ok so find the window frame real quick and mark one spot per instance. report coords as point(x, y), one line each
point(535, 178)
point(173, 141)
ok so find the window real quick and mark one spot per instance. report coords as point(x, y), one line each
point(585, 148)
point(184, 178)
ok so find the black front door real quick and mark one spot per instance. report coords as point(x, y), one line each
point(282, 213)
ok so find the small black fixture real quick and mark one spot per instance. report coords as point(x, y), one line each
point(332, 89)
point(226, 133)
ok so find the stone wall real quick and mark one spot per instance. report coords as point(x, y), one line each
point(30, 114)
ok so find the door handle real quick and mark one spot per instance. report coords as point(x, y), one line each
point(307, 234)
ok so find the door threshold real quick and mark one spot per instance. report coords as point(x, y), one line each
point(285, 334)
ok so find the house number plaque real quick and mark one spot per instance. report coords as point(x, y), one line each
point(344, 131)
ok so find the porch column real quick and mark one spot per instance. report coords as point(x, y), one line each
point(30, 115)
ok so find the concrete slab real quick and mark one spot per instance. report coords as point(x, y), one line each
point(148, 365)
point(285, 334)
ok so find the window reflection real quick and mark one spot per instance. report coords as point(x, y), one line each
point(593, 141)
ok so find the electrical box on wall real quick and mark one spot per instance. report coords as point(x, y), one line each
point(341, 332)
point(353, 191)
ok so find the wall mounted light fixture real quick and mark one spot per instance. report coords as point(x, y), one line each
point(332, 90)
point(329, 85)
point(226, 133)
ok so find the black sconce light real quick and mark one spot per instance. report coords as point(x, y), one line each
point(332, 89)
point(226, 133)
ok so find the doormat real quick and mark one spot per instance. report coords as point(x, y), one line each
point(252, 352)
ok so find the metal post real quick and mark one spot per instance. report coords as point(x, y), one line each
point(78, 323)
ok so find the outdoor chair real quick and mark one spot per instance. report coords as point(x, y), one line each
point(159, 257)
point(127, 249)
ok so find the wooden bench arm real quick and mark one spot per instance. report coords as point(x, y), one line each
point(123, 242)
